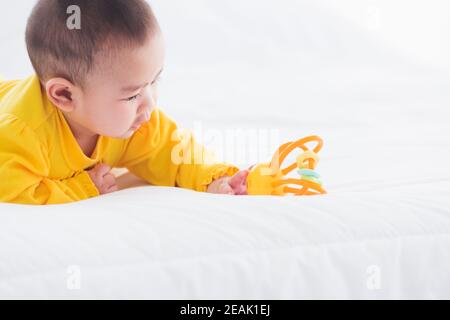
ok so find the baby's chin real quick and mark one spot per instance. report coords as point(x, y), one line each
point(126, 135)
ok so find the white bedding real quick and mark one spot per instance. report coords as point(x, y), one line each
point(383, 231)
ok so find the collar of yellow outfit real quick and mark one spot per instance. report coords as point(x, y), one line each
point(71, 150)
point(73, 154)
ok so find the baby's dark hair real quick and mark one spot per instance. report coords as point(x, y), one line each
point(55, 50)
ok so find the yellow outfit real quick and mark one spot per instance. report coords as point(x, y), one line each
point(42, 163)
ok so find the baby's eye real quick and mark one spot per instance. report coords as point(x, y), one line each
point(157, 80)
point(132, 98)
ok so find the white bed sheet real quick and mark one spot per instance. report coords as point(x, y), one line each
point(140, 243)
point(383, 231)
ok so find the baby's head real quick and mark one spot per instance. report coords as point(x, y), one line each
point(103, 75)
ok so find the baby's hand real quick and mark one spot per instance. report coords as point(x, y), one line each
point(103, 179)
point(236, 185)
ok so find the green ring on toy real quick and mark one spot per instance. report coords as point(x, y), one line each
point(312, 179)
point(308, 172)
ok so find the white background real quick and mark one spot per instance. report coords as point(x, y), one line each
point(371, 77)
point(362, 74)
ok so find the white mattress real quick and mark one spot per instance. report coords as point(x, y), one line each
point(382, 231)
point(140, 243)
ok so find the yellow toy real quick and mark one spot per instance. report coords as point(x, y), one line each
point(270, 179)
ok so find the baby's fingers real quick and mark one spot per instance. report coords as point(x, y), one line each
point(220, 186)
point(238, 178)
point(224, 188)
point(227, 189)
point(102, 169)
point(109, 183)
point(112, 188)
point(239, 182)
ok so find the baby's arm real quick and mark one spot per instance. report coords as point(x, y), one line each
point(162, 155)
point(24, 167)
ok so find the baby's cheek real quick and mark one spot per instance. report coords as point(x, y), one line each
point(122, 118)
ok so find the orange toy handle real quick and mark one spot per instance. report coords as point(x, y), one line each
point(283, 151)
point(270, 179)
point(306, 186)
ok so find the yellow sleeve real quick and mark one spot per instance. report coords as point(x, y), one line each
point(24, 167)
point(162, 155)
point(5, 86)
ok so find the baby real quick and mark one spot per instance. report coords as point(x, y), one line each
point(91, 106)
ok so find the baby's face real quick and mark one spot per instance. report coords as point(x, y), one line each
point(119, 99)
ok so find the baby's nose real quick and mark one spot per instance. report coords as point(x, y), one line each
point(146, 107)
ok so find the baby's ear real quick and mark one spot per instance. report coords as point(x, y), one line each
point(61, 92)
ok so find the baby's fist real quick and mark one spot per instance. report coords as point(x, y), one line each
point(235, 185)
point(103, 179)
